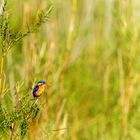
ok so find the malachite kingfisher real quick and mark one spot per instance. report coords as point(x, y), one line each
point(39, 88)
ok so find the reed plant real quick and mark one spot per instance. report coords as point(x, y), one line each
point(17, 109)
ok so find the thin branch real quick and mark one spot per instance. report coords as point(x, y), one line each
point(12, 128)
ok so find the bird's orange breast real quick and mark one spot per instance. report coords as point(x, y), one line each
point(40, 90)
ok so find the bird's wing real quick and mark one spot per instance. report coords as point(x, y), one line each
point(35, 89)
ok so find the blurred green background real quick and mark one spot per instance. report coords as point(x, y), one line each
point(89, 52)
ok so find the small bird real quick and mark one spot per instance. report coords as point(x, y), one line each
point(38, 89)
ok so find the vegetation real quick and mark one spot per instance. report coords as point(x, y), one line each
point(88, 52)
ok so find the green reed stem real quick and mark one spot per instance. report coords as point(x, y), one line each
point(1, 75)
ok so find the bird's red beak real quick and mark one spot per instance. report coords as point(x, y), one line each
point(48, 85)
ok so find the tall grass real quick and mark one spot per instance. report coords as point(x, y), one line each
point(88, 52)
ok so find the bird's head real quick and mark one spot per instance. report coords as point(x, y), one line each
point(41, 82)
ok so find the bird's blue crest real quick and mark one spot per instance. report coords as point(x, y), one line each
point(41, 81)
